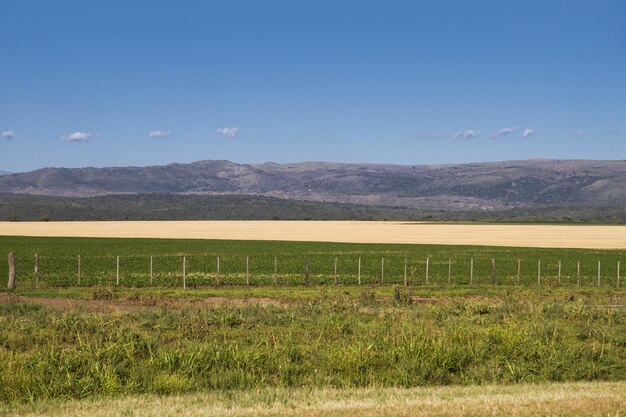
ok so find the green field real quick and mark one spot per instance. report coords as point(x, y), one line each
point(325, 349)
point(150, 343)
point(282, 263)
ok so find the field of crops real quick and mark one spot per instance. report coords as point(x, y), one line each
point(394, 232)
point(194, 263)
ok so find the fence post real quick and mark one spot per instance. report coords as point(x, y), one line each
point(519, 270)
point(539, 272)
point(275, 270)
point(598, 273)
point(217, 277)
point(382, 271)
point(493, 271)
point(117, 272)
point(578, 274)
point(427, 264)
point(618, 273)
point(359, 271)
point(184, 272)
point(335, 272)
point(472, 271)
point(449, 271)
point(247, 270)
point(79, 270)
point(11, 283)
point(306, 270)
point(405, 280)
point(151, 270)
point(36, 271)
point(558, 279)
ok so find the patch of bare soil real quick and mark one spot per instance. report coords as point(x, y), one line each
point(134, 305)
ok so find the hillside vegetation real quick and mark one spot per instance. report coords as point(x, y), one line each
point(26, 207)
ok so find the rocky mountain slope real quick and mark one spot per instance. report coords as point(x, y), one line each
point(484, 186)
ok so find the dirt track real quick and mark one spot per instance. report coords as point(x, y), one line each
point(546, 236)
point(128, 305)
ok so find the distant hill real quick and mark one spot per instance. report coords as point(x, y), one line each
point(4, 173)
point(26, 207)
point(493, 186)
point(18, 207)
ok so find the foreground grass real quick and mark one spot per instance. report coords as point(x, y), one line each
point(604, 399)
point(354, 340)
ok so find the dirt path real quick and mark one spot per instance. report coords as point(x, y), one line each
point(151, 303)
point(136, 305)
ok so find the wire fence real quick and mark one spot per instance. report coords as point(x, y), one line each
point(189, 271)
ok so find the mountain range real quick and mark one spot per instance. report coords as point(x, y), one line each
point(474, 186)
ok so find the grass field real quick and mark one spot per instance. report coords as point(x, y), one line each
point(437, 348)
point(142, 342)
point(515, 235)
point(282, 263)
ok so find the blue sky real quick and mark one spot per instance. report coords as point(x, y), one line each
point(115, 83)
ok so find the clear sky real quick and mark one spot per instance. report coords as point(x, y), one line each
point(116, 83)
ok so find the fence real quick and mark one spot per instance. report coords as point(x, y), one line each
point(182, 270)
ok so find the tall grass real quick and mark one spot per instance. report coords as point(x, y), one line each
point(331, 341)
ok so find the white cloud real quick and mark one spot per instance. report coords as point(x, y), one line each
point(467, 134)
point(528, 132)
point(228, 132)
point(79, 137)
point(159, 134)
point(574, 133)
point(506, 131)
point(8, 135)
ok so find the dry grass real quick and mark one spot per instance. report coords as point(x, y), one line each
point(138, 303)
point(572, 399)
point(540, 236)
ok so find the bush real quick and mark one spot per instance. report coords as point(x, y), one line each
point(367, 299)
point(402, 296)
point(102, 293)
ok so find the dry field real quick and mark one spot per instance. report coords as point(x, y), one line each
point(539, 236)
point(571, 399)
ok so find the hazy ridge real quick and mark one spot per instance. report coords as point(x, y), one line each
point(487, 186)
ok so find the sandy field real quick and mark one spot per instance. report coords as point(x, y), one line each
point(544, 236)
